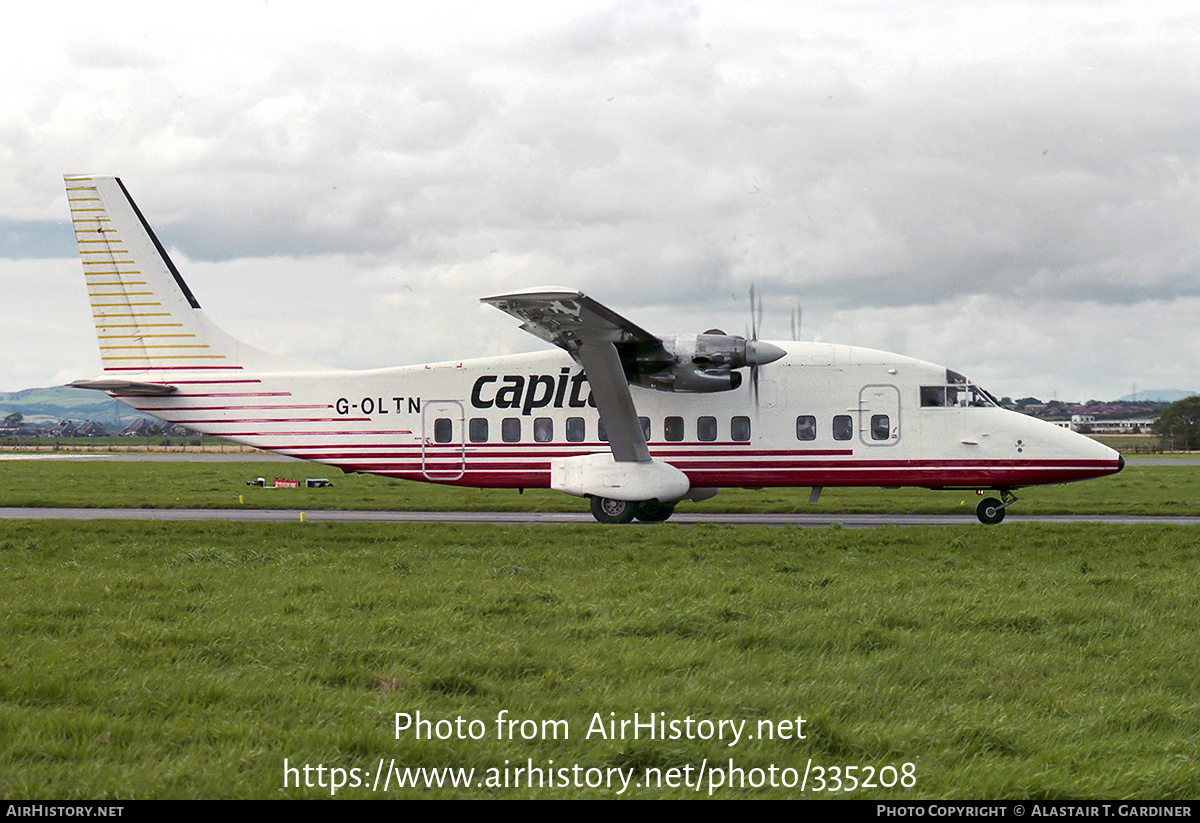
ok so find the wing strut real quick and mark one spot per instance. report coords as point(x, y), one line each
point(614, 402)
point(590, 333)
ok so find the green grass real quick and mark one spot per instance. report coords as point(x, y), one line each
point(188, 660)
point(1161, 490)
point(1130, 443)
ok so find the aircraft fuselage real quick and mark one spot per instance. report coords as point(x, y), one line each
point(827, 415)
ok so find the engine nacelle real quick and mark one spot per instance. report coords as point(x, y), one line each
point(702, 362)
point(688, 377)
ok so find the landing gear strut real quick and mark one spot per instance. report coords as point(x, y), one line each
point(990, 511)
point(624, 511)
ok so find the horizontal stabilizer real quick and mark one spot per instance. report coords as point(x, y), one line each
point(126, 387)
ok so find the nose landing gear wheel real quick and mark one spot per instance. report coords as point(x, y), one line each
point(990, 511)
point(613, 511)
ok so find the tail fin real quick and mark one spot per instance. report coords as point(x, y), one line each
point(147, 319)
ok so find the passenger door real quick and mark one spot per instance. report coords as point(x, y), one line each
point(443, 448)
point(879, 415)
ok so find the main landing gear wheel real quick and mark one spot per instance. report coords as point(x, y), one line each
point(654, 512)
point(614, 511)
point(990, 511)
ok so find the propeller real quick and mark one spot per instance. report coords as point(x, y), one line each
point(758, 354)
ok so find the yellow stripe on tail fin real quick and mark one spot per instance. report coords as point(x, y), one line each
point(146, 317)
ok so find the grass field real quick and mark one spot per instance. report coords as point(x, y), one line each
point(189, 660)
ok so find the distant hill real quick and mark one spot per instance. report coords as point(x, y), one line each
point(65, 403)
point(1157, 396)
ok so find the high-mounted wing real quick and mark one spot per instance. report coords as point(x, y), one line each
point(566, 318)
point(676, 363)
point(590, 332)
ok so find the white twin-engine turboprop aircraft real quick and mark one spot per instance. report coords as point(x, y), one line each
point(634, 421)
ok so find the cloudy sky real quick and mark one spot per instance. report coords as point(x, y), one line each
point(1010, 189)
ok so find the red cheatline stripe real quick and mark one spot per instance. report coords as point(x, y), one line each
point(261, 434)
point(172, 368)
point(232, 420)
point(151, 409)
point(245, 408)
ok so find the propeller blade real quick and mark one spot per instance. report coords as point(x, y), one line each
point(758, 353)
point(755, 313)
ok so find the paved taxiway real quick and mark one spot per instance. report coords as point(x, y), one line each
point(852, 521)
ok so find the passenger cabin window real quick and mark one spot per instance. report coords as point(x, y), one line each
point(510, 430)
point(706, 429)
point(673, 429)
point(843, 427)
point(806, 427)
point(881, 427)
point(600, 432)
point(543, 429)
point(645, 421)
point(477, 430)
point(576, 429)
point(443, 430)
point(739, 428)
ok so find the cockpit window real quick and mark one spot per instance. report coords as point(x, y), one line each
point(956, 392)
point(933, 395)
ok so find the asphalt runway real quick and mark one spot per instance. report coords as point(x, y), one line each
point(850, 521)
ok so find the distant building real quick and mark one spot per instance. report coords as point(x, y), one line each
point(142, 427)
point(1088, 424)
